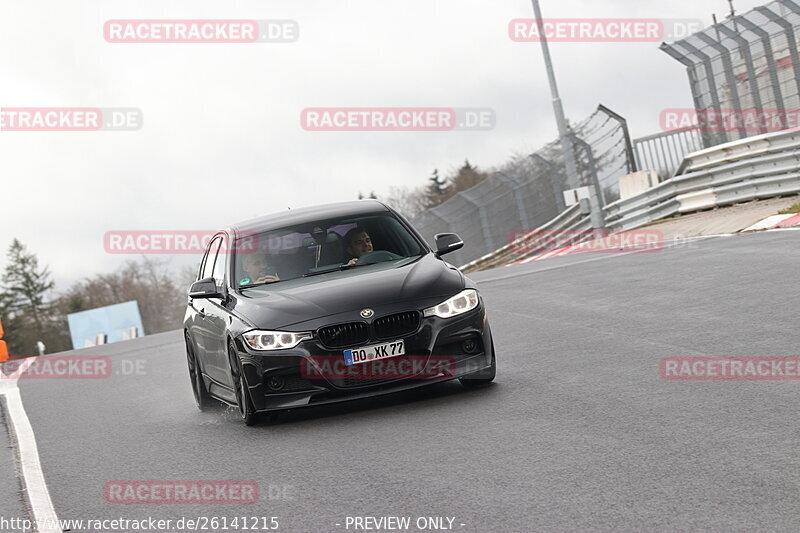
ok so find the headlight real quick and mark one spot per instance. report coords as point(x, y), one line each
point(460, 303)
point(274, 340)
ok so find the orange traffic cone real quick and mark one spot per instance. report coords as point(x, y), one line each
point(3, 347)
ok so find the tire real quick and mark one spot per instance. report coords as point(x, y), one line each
point(481, 377)
point(244, 404)
point(202, 399)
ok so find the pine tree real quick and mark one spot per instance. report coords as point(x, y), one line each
point(436, 191)
point(466, 177)
point(22, 299)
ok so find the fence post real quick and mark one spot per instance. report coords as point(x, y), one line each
point(487, 234)
point(744, 50)
point(523, 215)
point(596, 197)
point(558, 191)
point(725, 54)
point(788, 29)
point(632, 167)
point(691, 68)
point(769, 55)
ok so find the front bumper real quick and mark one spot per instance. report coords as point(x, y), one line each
point(438, 345)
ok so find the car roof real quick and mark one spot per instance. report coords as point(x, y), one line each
point(310, 214)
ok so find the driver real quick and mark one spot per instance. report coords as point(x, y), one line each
point(257, 270)
point(357, 242)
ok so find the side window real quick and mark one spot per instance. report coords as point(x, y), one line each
point(219, 265)
point(208, 262)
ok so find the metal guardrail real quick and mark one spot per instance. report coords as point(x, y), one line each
point(571, 218)
point(749, 169)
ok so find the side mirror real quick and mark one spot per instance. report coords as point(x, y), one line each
point(205, 288)
point(447, 242)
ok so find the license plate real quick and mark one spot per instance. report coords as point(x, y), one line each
point(374, 352)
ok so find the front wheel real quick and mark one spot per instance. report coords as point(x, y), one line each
point(481, 377)
point(245, 405)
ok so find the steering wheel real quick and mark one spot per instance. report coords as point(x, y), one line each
point(378, 256)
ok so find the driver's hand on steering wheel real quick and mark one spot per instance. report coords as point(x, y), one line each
point(268, 278)
point(353, 261)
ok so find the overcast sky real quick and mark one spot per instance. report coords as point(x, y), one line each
point(222, 141)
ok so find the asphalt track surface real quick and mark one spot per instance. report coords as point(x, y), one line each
point(579, 432)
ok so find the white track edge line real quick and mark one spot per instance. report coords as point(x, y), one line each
point(36, 490)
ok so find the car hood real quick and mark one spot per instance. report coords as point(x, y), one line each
point(375, 286)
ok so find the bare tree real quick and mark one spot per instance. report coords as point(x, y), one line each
point(161, 299)
point(409, 202)
point(465, 177)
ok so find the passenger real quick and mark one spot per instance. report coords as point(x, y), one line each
point(257, 269)
point(357, 242)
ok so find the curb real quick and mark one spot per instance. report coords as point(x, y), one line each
point(775, 221)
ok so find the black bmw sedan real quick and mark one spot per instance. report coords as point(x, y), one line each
point(327, 304)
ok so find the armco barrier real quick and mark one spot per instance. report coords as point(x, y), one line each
point(571, 219)
point(749, 169)
point(755, 168)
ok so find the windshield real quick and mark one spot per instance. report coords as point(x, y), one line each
point(322, 247)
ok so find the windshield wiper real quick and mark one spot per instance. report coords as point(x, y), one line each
point(335, 269)
point(250, 285)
